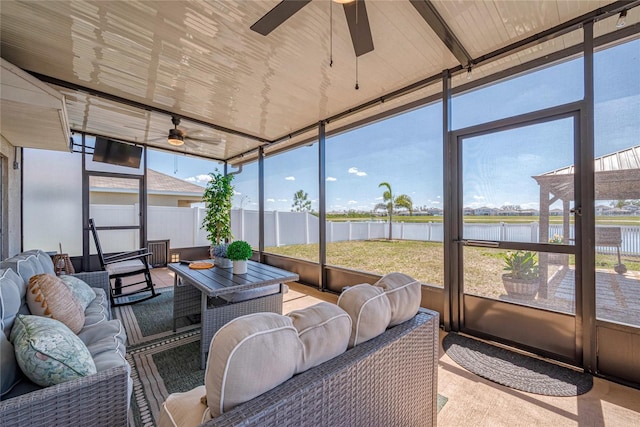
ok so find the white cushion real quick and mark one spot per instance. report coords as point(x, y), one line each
point(249, 356)
point(324, 330)
point(185, 409)
point(369, 309)
point(404, 296)
point(124, 267)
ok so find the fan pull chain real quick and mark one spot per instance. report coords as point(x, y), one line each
point(357, 86)
point(331, 34)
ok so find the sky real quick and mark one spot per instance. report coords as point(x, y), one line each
point(406, 150)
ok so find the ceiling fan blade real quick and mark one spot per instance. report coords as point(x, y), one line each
point(276, 16)
point(360, 30)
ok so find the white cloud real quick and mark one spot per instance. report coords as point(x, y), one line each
point(352, 202)
point(237, 193)
point(330, 178)
point(199, 179)
point(355, 171)
point(271, 200)
point(290, 178)
point(282, 200)
point(475, 197)
point(379, 198)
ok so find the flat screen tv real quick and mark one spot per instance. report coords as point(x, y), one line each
point(117, 153)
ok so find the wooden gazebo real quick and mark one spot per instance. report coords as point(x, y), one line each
point(617, 177)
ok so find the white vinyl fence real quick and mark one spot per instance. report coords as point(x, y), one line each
point(182, 226)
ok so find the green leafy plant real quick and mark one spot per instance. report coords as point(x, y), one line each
point(521, 265)
point(556, 239)
point(239, 250)
point(217, 198)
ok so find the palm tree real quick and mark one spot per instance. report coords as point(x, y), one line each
point(390, 203)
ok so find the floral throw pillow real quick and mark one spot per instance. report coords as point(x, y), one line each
point(80, 290)
point(48, 352)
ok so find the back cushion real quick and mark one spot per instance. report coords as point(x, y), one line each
point(26, 265)
point(249, 356)
point(404, 296)
point(44, 260)
point(324, 330)
point(369, 309)
point(12, 297)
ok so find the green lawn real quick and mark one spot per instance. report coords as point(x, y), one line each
point(483, 267)
point(600, 220)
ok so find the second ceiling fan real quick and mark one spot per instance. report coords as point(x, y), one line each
point(354, 10)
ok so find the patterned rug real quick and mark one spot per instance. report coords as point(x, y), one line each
point(162, 362)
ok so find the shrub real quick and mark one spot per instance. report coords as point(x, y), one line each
point(239, 250)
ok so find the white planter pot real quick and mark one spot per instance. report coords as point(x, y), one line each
point(222, 262)
point(240, 267)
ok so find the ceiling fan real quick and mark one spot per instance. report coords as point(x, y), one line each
point(354, 10)
point(178, 137)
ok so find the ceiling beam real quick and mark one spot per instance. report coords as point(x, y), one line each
point(442, 30)
point(140, 105)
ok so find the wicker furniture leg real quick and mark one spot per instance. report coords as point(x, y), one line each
point(186, 300)
point(217, 312)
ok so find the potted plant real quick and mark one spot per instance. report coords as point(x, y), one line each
point(239, 252)
point(522, 278)
point(217, 220)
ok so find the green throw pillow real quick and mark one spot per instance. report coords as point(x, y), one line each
point(80, 290)
point(48, 352)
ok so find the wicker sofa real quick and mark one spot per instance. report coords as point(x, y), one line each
point(390, 380)
point(98, 399)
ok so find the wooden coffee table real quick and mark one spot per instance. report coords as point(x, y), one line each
point(198, 291)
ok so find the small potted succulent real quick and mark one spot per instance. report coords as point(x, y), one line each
point(239, 252)
point(522, 278)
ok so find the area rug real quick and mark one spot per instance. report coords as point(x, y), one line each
point(162, 362)
point(151, 319)
point(515, 370)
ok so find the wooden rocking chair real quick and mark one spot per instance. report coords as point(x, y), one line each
point(125, 264)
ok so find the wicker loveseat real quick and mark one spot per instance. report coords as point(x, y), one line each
point(390, 380)
point(371, 359)
point(98, 399)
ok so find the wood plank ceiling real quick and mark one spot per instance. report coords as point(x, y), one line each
point(126, 66)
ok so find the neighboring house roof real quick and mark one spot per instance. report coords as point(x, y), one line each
point(157, 183)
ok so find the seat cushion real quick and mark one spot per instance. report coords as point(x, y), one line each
point(249, 356)
point(324, 330)
point(369, 309)
point(185, 409)
point(124, 267)
point(98, 309)
point(48, 296)
point(404, 296)
point(48, 352)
